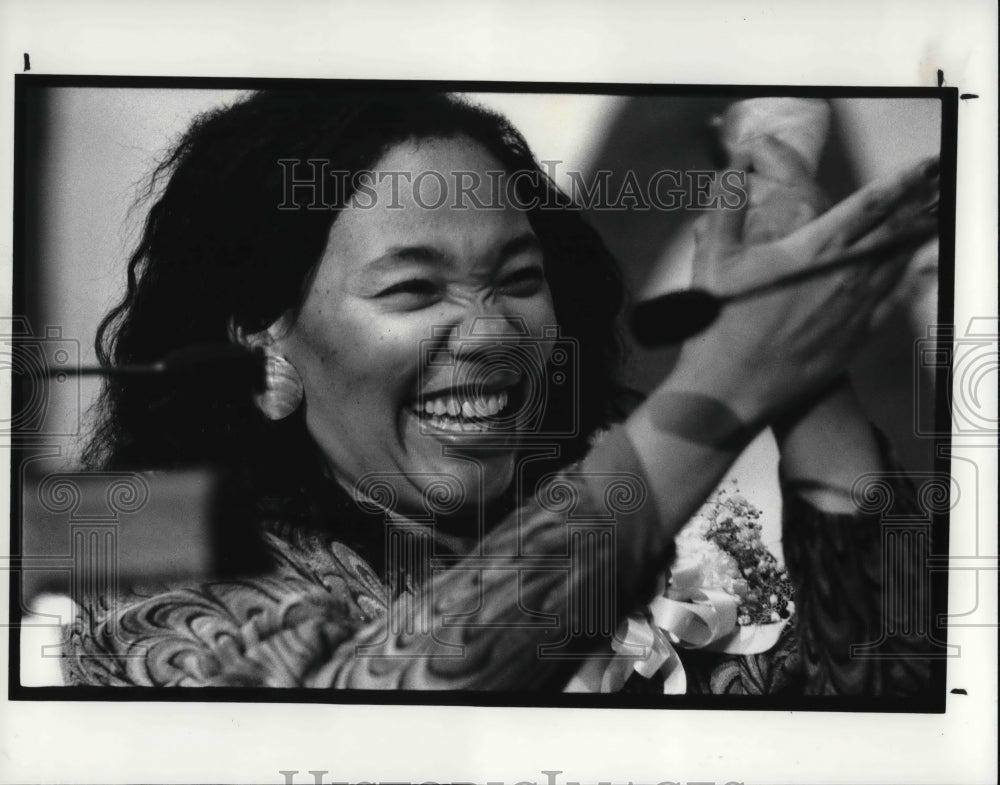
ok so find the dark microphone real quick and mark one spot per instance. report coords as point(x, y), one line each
point(676, 316)
point(673, 317)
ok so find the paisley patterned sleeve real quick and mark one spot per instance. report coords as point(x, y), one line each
point(861, 590)
point(262, 631)
point(775, 671)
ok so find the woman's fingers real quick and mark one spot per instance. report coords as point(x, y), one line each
point(877, 300)
point(908, 227)
point(916, 293)
point(857, 215)
point(886, 277)
point(884, 254)
point(871, 288)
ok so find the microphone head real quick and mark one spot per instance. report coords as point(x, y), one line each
point(674, 317)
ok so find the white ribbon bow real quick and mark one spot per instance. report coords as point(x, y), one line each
point(687, 616)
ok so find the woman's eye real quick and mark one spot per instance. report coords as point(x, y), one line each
point(413, 290)
point(524, 282)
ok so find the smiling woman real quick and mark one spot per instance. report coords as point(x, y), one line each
point(441, 364)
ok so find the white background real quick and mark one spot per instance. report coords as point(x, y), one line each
point(842, 43)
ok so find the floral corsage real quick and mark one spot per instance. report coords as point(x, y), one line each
point(725, 592)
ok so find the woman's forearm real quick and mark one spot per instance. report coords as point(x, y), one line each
point(685, 442)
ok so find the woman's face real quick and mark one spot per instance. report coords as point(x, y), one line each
point(400, 378)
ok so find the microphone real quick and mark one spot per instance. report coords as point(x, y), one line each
point(676, 316)
point(236, 364)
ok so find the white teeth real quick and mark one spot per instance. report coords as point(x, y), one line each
point(456, 425)
point(444, 410)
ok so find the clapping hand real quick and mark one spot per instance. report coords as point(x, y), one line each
point(764, 353)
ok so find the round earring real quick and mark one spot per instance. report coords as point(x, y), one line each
point(283, 392)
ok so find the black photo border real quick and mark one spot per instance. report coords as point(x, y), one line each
point(931, 701)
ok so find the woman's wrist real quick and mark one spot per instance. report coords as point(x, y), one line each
point(826, 444)
point(685, 439)
point(832, 402)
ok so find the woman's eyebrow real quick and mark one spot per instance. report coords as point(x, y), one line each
point(428, 254)
point(395, 255)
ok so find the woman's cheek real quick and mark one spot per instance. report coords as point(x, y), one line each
point(403, 343)
point(540, 316)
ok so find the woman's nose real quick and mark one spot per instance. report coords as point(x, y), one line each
point(474, 335)
point(488, 321)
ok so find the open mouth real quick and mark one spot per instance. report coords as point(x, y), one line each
point(457, 411)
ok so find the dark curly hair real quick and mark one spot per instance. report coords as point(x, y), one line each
point(215, 252)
